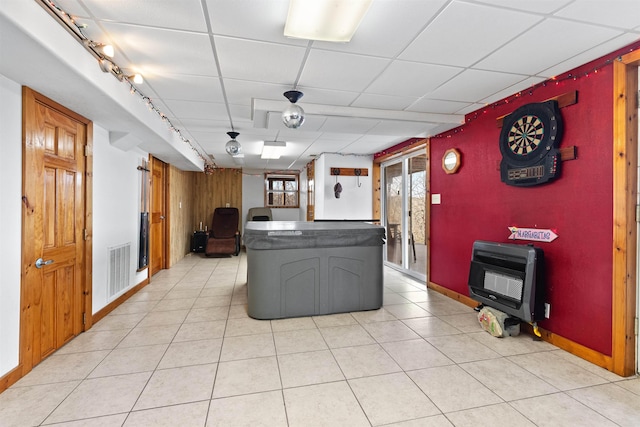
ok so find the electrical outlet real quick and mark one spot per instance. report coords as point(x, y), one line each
point(547, 310)
point(227, 205)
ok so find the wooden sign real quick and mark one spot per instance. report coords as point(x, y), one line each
point(535, 234)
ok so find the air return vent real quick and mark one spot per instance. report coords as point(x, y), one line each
point(119, 268)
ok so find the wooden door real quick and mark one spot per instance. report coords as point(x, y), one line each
point(157, 228)
point(53, 224)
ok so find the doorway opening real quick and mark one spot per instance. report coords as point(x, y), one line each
point(405, 214)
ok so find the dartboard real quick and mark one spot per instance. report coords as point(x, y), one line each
point(529, 144)
point(525, 135)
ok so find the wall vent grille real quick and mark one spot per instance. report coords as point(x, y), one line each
point(119, 268)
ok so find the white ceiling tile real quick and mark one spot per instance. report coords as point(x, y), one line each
point(474, 85)
point(241, 92)
point(521, 86)
point(196, 110)
point(327, 146)
point(142, 44)
point(407, 129)
point(187, 87)
point(403, 78)
point(538, 6)
point(612, 13)
point(183, 14)
point(348, 125)
point(327, 70)
point(251, 19)
point(258, 61)
point(324, 96)
point(385, 31)
point(546, 45)
point(590, 55)
point(383, 102)
point(464, 33)
point(428, 105)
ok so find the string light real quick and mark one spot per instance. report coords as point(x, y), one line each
point(108, 64)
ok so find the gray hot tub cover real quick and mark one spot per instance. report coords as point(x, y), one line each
point(298, 235)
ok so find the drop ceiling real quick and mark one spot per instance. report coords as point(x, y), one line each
point(413, 69)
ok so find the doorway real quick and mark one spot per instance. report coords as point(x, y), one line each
point(404, 210)
point(158, 223)
point(56, 253)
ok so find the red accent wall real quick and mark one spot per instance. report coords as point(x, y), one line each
point(476, 205)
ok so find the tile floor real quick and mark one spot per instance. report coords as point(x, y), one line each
point(183, 352)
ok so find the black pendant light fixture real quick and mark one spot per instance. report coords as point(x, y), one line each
point(233, 147)
point(293, 116)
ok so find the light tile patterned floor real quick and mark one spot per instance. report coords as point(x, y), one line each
point(183, 352)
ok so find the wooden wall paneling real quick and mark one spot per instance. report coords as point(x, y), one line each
point(216, 190)
point(181, 227)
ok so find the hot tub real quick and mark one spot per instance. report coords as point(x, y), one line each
point(312, 268)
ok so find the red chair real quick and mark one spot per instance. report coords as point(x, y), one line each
point(224, 236)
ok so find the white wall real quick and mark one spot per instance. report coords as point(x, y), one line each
point(116, 204)
point(354, 202)
point(10, 221)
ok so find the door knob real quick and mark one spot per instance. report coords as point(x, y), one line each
point(41, 263)
point(161, 216)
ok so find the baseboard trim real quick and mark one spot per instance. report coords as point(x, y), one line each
point(16, 373)
point(10, 378)
point(100, 314)
point(579, 350)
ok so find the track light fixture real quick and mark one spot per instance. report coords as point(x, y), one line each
point(105, 65)
point(100, 48)
point(233, 147)
point(293, 116)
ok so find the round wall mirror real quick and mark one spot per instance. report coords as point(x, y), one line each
point(451, 161)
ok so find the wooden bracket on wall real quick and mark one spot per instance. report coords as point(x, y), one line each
point(566, 153)
point(564, 100)
point(350, 171)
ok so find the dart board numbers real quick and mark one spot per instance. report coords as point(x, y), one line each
point(529, 143)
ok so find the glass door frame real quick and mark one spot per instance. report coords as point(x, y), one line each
point(404, 160)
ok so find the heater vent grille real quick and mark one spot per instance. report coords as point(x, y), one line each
point(505, 285)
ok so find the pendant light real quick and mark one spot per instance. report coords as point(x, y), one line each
point(293, 116)
point(233, 147)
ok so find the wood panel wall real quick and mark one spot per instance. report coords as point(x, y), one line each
point(181, 226)
point(213, 191)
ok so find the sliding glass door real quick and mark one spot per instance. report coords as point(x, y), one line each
point(405, 214)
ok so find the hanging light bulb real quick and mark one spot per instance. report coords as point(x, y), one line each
point(293, 116)
point(233, 147)
point(137, 79)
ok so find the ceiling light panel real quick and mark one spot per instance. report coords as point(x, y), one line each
point(326, 20)
point(273, 149)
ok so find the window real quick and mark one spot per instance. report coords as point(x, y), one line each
point(281, 190)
